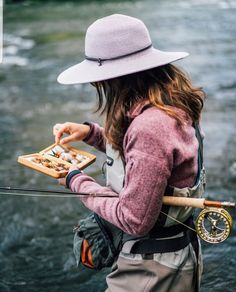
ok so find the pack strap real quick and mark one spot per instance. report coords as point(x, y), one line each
point(151, 246)
point(200, 142)
point(161, 245)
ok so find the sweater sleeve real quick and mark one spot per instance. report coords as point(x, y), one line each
point(96, 137)
point(148, 167)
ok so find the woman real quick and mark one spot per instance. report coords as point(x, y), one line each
point(152, 143)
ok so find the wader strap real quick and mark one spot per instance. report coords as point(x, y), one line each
point(160, 244)
point(200, 149)
point(195, 245)
point(151, 246)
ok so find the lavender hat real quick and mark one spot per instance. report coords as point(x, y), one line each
point(116, 45)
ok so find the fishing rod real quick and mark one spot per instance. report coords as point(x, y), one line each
point(61, 194)
point(213, 224)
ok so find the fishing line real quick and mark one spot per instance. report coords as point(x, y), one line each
point(174, 219)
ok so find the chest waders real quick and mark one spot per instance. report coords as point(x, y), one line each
point(165, 227)
point(167, 235)
point(97, 243)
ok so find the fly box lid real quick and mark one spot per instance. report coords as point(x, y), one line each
point(56, 160)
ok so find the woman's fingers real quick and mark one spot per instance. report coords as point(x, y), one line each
point(62, 181)
point(58, 127)
point(73, 167)
point(59, 130)
point(73, 137)
point(75, 131)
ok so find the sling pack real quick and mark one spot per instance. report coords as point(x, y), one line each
point(97, 242)
point(94, 244)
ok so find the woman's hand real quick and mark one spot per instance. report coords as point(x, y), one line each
point(76, 132)
point(62, 181)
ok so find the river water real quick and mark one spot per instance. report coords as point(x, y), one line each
point(39, 42)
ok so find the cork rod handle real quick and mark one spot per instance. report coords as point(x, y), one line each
point(186, 202)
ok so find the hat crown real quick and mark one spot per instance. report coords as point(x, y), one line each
point(116, 35)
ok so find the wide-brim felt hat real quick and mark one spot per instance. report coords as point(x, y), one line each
point(116, 45)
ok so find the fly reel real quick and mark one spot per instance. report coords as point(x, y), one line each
point(214, 225)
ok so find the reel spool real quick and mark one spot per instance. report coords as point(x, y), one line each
point(214, 225)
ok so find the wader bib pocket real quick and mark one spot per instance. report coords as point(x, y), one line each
point(94, 246)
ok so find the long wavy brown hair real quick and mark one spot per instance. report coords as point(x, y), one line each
point(166, 87)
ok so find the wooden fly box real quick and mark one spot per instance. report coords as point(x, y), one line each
point(56, 160)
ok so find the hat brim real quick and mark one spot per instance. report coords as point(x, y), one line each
point(90, 71)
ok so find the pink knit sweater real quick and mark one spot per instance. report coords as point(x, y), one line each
point(158, 152)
